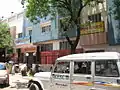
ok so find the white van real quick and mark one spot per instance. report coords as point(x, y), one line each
point(87, 71)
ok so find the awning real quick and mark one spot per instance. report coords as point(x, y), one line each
point(26, 46)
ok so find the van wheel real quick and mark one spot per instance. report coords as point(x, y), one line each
point(7, 83)
point(34, 86)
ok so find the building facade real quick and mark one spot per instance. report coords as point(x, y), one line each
point(93, 32)
point(45, 42)
point(15, 23)
point(21, 32)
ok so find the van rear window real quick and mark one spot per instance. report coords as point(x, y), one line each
point(106, 68)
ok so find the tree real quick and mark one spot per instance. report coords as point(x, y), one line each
point(5, 37)
point(70, 10)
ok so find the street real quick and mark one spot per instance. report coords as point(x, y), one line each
point(17, 82)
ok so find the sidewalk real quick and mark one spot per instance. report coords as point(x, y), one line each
point(17, 82)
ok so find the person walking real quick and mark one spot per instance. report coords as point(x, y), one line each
point(13, 70)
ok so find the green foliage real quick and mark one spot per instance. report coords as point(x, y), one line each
point(5, 37)
point(42, 8)
point(115, 9)
point(9, 50)
point(70, 10)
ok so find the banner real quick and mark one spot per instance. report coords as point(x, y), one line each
point(21, 41)
point(91, 28)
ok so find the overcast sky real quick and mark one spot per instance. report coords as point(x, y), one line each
point(8, 6)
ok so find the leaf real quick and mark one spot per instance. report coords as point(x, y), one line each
point(69, 10)
point(5, 37)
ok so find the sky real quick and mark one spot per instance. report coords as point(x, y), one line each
point(8, 6)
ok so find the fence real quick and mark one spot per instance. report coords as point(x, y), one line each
point(49, 57)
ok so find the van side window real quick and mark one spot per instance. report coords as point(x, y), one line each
point(82, 67)
point(106, 68)
point(62, 67)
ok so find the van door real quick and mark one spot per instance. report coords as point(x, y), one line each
point(106, 75)
point(82, 76)
point(60, 79)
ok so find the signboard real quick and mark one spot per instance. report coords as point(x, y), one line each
point(21, 41)
point(92, 28)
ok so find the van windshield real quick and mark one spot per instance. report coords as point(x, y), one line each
point(106, 68)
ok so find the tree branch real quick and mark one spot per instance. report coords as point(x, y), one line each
point(64, 3)
point(88, 1)
point(83, 5)
point(80, 8)
point(68, 39)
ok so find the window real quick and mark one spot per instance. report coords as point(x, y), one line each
point(82, 67)
point(19, 35)
point(95, 17)
point(65, 45)
point(62, 67)
point(46, 28)
point(46, 47)
point(106, 68)
point(43, 29)
point(49, 27)
point(30, 32)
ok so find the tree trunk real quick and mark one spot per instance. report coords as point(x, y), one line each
point(73, 47)
point(73, 50)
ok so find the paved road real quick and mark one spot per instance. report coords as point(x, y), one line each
point(17, 82)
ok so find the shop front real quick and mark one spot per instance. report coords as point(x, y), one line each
point(26, 51)
point(94, 37)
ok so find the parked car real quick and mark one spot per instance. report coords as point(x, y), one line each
point(4, 74)
point(87, 71)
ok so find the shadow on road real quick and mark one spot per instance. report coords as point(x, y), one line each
point(21, 85)
point(3, 86)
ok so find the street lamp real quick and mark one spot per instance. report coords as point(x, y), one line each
point(34, 54)
point(27, 54)
point(34, 57)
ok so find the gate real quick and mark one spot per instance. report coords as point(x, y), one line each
point(49, 57)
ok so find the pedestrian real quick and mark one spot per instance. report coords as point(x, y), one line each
point(13, 69)
point(24, 70)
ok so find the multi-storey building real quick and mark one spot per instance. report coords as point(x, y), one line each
point(15, 23)
point(21, 33)
point(94, 28)
point(96, 35)
point(45, 37)
point(93, 32)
